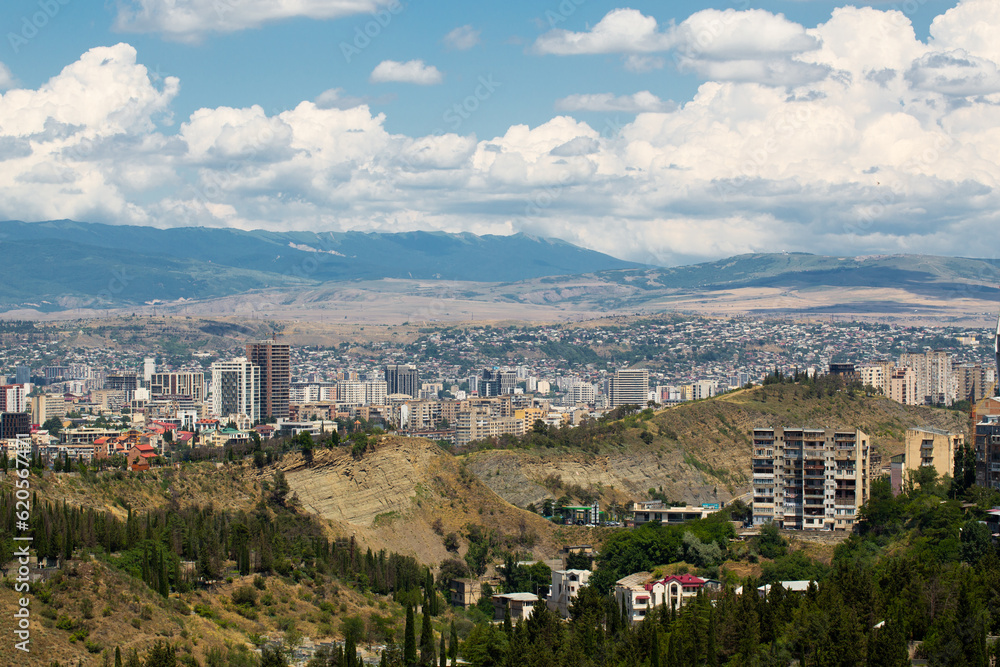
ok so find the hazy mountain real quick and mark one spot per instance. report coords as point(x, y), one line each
point(65, 263)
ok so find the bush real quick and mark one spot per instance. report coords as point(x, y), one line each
point(245, 596)
point(64, 622)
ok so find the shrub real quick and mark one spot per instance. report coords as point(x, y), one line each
point(245, 596)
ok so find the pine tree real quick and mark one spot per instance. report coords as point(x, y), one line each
point(409, 639)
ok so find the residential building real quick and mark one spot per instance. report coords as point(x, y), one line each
point(273, 359)
point(936, 383)
point(640, 594)
point(148, 369)
point(972, 382)
point(496, 383)
point(46, 406)
point(402, 379)
point(521, 606)
point(186, 385)
point(375, 392)
point(988, 452)
point(565, 586)
point(932, 447)
point(480, 422)
point(127, 382)
point(630, 386)
point(903, 386)
point(13, 398)
point(809, 479)
point(465, 592)
point(656, 511)
point(13, 424)
point(236, 388)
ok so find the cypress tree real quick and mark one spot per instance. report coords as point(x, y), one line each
point(427, 657)
point(453, 644)
point(409, 639)
point(118, 656)
point(443, 653)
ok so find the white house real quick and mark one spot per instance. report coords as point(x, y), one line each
point(565, 585)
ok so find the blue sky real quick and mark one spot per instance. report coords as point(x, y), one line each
point(701, 129)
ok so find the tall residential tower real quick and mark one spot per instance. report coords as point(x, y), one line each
point(274, 361)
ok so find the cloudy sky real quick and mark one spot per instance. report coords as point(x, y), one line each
point(664, 132)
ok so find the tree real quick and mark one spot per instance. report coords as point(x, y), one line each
point(410, 639)
point(427, 636)
point(271, 656)
point(453, 644)
point(53, 425)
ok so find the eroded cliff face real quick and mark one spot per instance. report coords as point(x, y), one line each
point(523, 478)
point(356, 491)
point(406, 495)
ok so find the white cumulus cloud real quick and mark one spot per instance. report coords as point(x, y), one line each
point(462, 38)
point(635, 103)
point(412, 71)
point(188, 20)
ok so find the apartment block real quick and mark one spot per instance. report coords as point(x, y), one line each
point(402, 379)
point(988, 452)
point(189, 385)
point(902, 386)
point(630, 386)
point(935, 376)
point(236, 388)
point(46, 406)
point(932, 447)
point(274, 361)
point(809, 479)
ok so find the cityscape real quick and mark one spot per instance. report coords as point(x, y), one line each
point(343, 333)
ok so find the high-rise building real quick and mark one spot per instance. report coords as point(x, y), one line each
point(22, 375)
point(148, 369)
point(188, 385)
point(972, 382)
point(236, 388)
point(936, 383)
point(46, 406)
point(13, 398)
point(902, 386)
point(629, 386)
point(13, 424)
point(496, 382)
point(812, 479)
point(274, 361)
point(402, 379)
point(126, 381)
point(988, 452)
point(996, 354)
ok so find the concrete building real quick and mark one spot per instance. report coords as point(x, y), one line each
point(936, 383)
point(809, 479)
point(988, 452)
point(236, 388)
point(902, 386)
point(13, 424)
point(931, 447)
point(521, 606)
point(973, 382)
point(274, 361)
point(22, 375)
point(180, 385)
point(13, 398)
point(565, 586)
point(46, 406)
point(402, 379)
point(640, 594)
point(656, 511)
point(630, 386)
point(465, 592)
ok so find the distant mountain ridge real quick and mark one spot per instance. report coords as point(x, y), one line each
point(63, 263)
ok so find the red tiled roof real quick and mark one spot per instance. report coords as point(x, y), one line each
point(684, 579)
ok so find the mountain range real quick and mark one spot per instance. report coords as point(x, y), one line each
point(63, 264)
